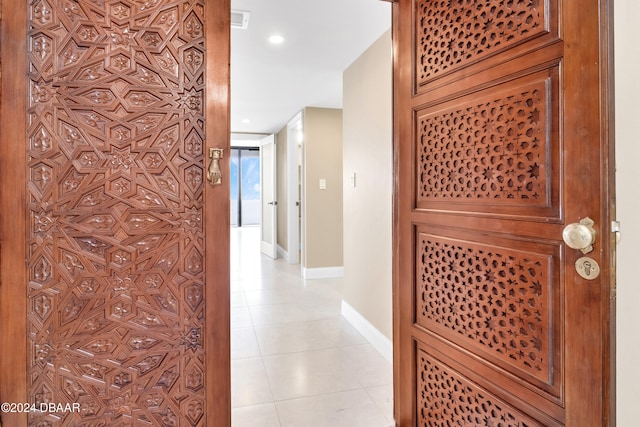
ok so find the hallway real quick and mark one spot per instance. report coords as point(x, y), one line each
point(295, 361)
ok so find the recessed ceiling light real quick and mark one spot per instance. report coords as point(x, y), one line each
point(276, 39)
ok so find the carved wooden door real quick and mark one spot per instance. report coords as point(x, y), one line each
point(501, 140)
point(104, 148)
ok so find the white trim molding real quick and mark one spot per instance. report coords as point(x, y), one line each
point(377, 339)
point(322, 273)
point(282, 253)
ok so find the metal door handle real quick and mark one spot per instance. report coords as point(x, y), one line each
point(214, 174)
point(580, 235)
point(273, 203)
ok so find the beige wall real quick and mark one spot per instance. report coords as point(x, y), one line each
point(281, 187)
point(322, 224)
point(627, 16)
point(367, 152)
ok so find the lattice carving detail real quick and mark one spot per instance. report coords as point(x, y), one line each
point(116, 245)
point(495, 150)
point(454, 33)
point(494, 299)
point(446, 398)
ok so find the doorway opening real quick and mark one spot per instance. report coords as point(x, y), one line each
point(244, 183)
point(290, 335)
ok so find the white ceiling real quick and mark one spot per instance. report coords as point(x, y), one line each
point(271, 83)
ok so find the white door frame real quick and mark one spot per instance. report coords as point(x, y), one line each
point(294, 198)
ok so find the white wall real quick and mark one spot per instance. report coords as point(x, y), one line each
point(368, 152)
point(627, 54)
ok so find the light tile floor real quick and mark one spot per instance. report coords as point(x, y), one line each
point(295, 361)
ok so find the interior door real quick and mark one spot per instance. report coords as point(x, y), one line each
point(109, 109)
point(268, 202)
point(294, 188)
point(501, 141)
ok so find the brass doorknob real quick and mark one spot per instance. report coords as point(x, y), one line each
point(580, 235)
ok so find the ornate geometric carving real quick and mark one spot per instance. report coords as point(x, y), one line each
point(193, 26)
point(168, 377)
point(139, 99)
point(495, 150)
point(149, 364)
point(41, 224)
point(116, 243)
point(41, 13)
point(70, 135)
point(142, 343)
point(41, 140)
point(167, 20)
point(496, 299)
point(452, 34)
point(192, 219)
point(41, 176)
point(152, 40)
point(41, 92)
point(41, 270)
point(153, 281)
point(194, 378)
point(42, 354)
point(168, 301)
point(193, 179)
point(42, 306)
point(194, 262)
point(194, 295)
point(194, 410)
point(120, 11)
point(193, 338)
point(90, 73)
point(168, 62)
point(193, 60)
point(42, 394)
point(122, 379)
point(72, 10)
point(87, 34)
point(444, 397)
point(72, 309)
point(41, 47)
point(71, 54)
point(143, 5)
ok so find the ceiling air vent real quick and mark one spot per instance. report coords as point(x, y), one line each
point(240, 19)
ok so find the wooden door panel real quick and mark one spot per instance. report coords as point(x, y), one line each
point(496, 148)
point(117, 113)
point(494, 151)
point(453, 35)
point(446, 397)
point(497, 301)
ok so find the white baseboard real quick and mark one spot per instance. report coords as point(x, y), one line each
point(377, 339)
point(322, 273)
point(282, 253)
point(289, 256)
point(269, 250)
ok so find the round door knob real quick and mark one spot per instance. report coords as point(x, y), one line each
point(580, 235)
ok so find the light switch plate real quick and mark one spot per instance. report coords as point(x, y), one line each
point(323, 184)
